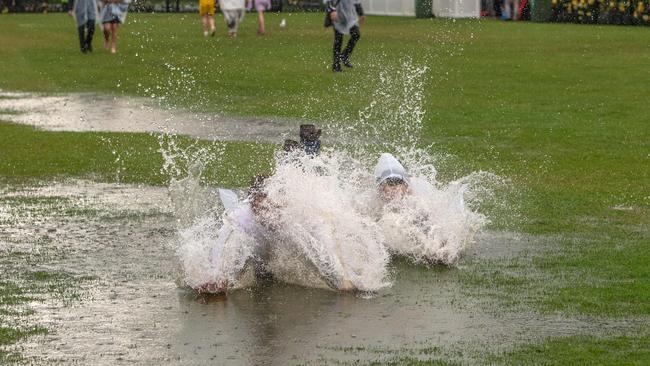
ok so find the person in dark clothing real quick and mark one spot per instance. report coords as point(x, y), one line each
point(345, 16)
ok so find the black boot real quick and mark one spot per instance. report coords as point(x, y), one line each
point(89, 35)
point(82, 39)
point(336, 61)
point(355, 34)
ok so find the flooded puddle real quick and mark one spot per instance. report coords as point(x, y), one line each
point(132, 311)
point(96, 112)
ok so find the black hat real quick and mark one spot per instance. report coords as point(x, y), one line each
point(309, 132)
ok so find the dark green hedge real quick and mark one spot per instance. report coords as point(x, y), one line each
point(628, 12)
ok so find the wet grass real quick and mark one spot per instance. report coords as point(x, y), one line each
point(574, 350)
point(414, 362)
point(24, 284)
point(9, 111)
point(573, 275)
point(28, 154)
point(18, 289)
point(9, 335)
point(581, 350)
point(428, 355)
point(558, 109)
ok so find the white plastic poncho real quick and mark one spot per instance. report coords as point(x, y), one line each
point(112, 11)
point(388, 167)
point(347, 16)
point(232, 4)
point(233, 13)
point(239, 217)
point(239, 241)
point(85, 10)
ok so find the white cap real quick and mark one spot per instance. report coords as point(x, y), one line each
point(388, 167)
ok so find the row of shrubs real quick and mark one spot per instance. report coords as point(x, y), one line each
point(601, 11)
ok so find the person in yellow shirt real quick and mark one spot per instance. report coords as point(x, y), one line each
point(206, 11)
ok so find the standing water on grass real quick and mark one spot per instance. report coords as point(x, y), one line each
point(324, 223)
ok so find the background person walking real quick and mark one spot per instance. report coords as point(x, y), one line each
point(261, 6)
point(233, 13)
point(345, 16)
point(85, 13)
point(113, 14)
point(206, 11)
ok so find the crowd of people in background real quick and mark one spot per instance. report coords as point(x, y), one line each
point(506, 9)
point(111, 15)
point(344, 16)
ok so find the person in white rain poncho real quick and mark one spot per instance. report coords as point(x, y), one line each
point(239, 253)
point(85, 13)
point(113, 14)
point(344, 16)
point(391, 178)
point(426, 223)
point(233, 13)
point(285, 231)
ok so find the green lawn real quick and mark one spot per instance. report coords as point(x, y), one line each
point(561, 110)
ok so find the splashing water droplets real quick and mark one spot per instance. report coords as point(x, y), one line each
point(323, 222)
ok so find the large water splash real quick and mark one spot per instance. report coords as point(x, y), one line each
point(207, 259)
point(326, 226)
point(324, 223)
point(315, 221)
point(393, 116)
point(204, 256)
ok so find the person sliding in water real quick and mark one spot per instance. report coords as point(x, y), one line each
point(258, 239)
point(391, 177)
point(246, 217)
point(409, 229)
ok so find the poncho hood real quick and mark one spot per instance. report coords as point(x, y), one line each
point(388, 167)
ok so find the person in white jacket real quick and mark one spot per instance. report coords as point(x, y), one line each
point(240, 251)
point(233, 13)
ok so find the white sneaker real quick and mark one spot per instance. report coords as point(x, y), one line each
point(206, 33)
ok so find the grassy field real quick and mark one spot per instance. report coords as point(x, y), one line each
point(561, 110)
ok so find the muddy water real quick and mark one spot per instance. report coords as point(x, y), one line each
point(96, 112)
point(132, 312)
